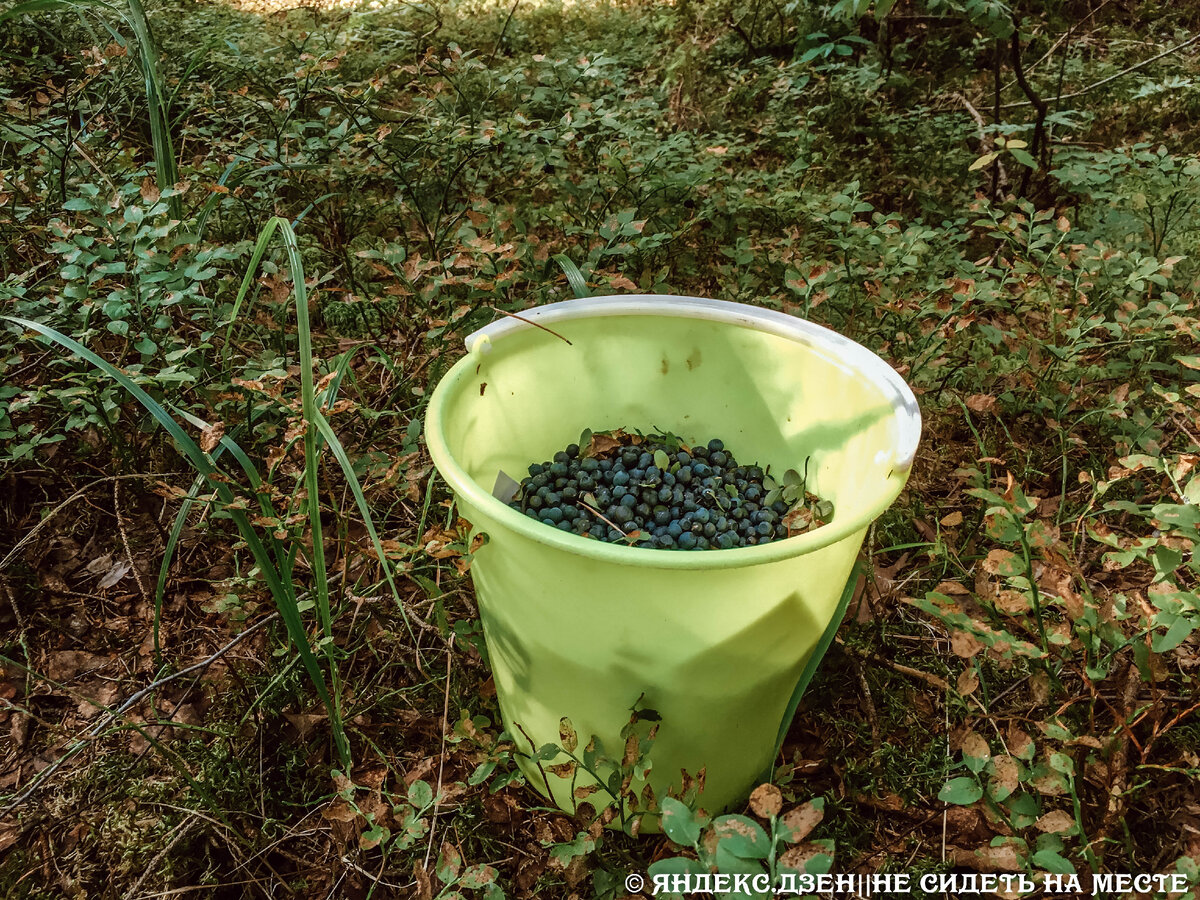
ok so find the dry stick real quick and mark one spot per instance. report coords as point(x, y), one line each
point(1110, 78)
point(933, 680)
point(135, 698)
point(533, 323)
point(180, 833)
point(986, 144)
point(437, 796)
point(1042, 107)
point(137, 576)
point(1066, 35)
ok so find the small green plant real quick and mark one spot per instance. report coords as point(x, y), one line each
point(737, 845)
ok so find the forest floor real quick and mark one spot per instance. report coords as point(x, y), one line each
point(202, 698)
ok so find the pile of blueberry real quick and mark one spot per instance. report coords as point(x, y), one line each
point(654, 492)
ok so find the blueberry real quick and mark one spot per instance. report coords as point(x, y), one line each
point(674, 529)
point(572, 450)
point(535, 469)
point(665, 541)
point(620, 478)
point(662, 515)
point(665, 494)
point(554, 514)
point(561, 457)
point(719, 458)
point(551, 498)
point(687, 541)
point(764, 529)
point(629, 501)
point(644, 510)
point(619, 491)
point(646, 459)
point(590, 465)
point(715, 446)
point(558, 469)
point(534, 502)
point(684, 475)
point(683, 457)
point(753, 493)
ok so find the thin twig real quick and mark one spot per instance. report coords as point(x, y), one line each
point(1110, 78)
point(137, 576)
point(533, 323)
point(179, 835)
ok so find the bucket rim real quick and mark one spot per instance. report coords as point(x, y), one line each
point(851, 353)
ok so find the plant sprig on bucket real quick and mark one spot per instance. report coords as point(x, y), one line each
point(805, 509)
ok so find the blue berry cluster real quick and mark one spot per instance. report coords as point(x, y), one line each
point(656, 493)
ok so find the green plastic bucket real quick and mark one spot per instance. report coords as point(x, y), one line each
point(715, 641)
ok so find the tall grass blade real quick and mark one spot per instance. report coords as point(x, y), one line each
point(282, 590)
point(574, 277)
point(165, 169)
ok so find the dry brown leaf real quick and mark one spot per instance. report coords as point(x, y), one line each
point(797, 857)
point(965, 645)
point(766, 801)
point(801, 820)
point(1014, 603)
point(988, 859)
point(1055, 821)
point(211, 436)
point(951, 520)
point(996, 559)
point(1018, 741)
point(1008, 775)
point(981, 403)
point(968, 681)
point(974, 745)
point(951, 588)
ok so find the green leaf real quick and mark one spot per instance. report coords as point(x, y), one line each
point(1052, 862)
point(1060, 762)
point(742, 836)
point(982, 161)
point(1023, 157)
point(679, 822)
point(420, 795)
point(1176, 634)
point(662, 460)
point(961, 791)
point(449, 864)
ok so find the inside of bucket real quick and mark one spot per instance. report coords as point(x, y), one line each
point(773, 401)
